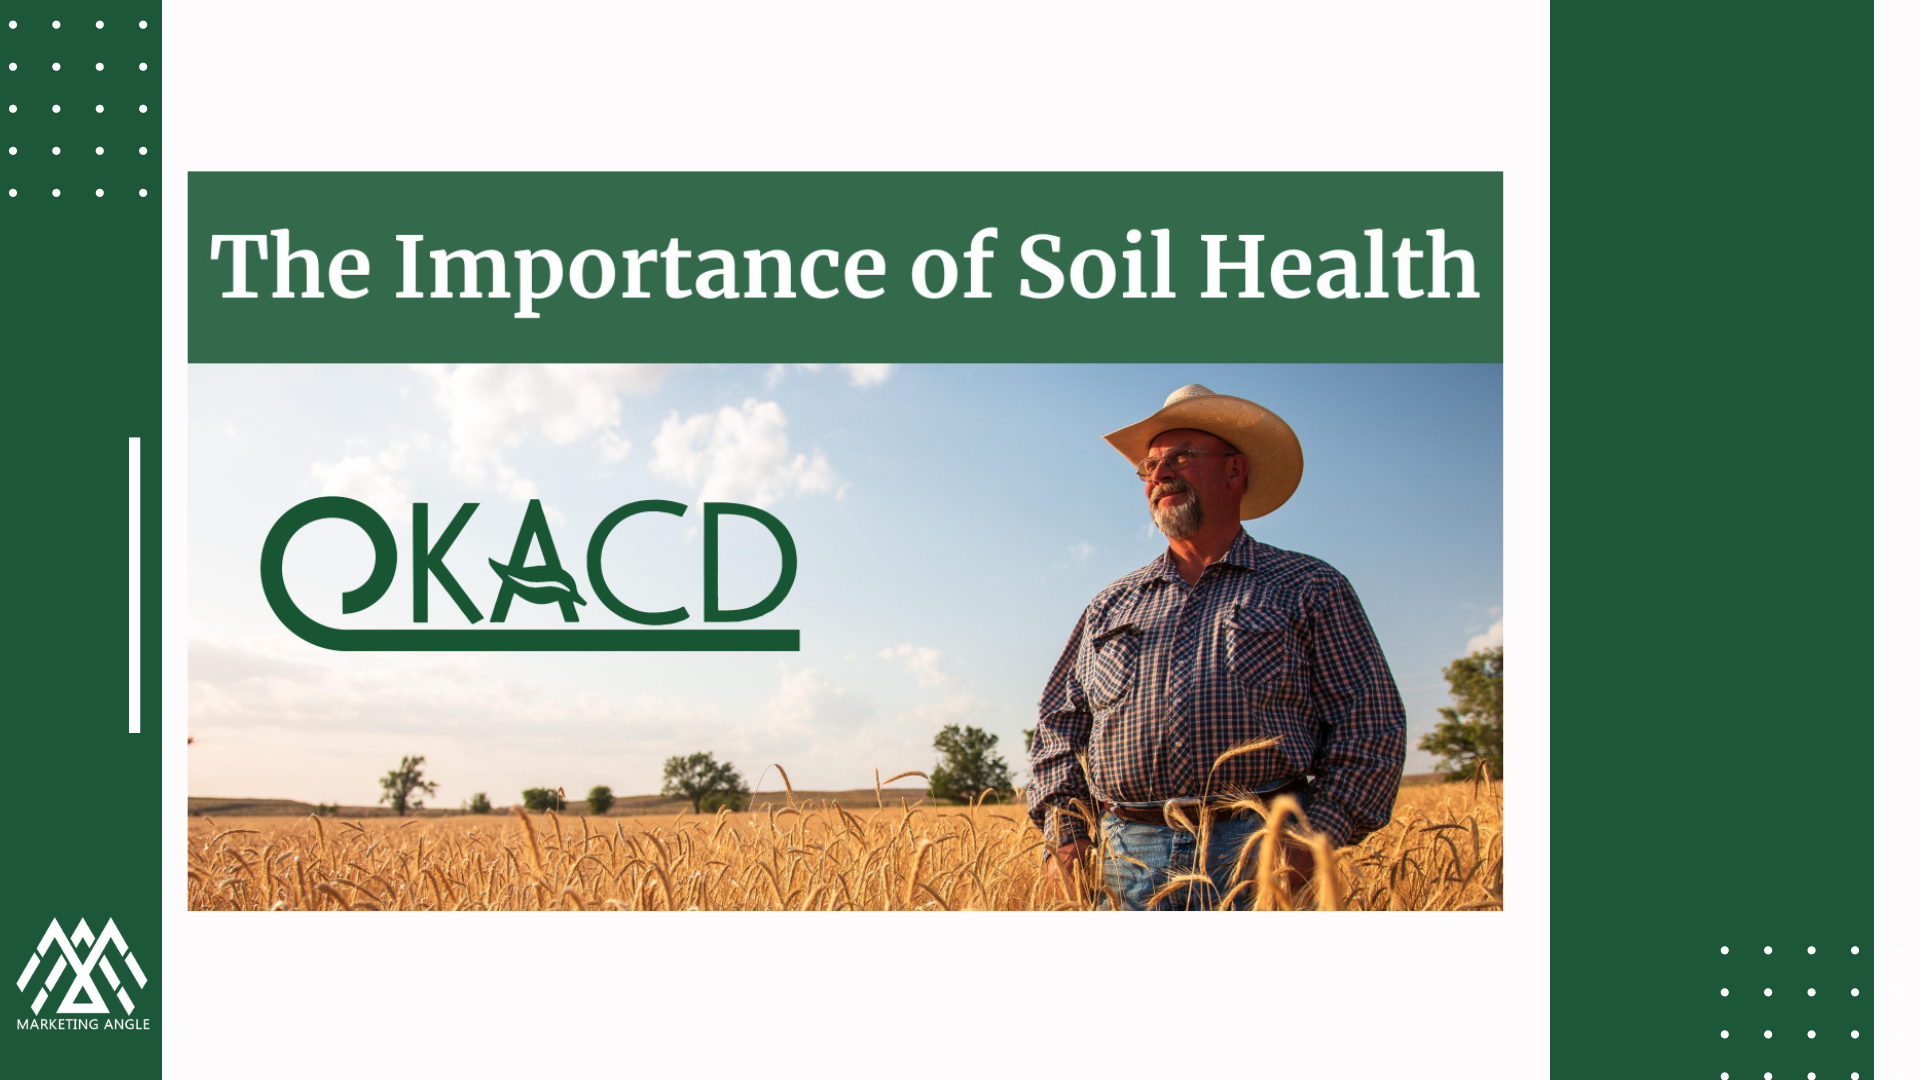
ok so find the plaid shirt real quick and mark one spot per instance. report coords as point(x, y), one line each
point(1160, 678)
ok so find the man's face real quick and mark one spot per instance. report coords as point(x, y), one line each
point(1179, 500)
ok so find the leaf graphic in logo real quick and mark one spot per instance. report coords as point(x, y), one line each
point(538, 584)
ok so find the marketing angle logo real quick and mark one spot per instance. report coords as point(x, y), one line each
point(83, 995)
point(543, 582)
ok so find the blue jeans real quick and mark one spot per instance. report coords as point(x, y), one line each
point(1168, 852)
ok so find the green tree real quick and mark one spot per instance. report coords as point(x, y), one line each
point(600, 799)
point(696, 776)
point(479, 804)
point(715, 801)
point(1470, 731)
point(968, 765)
point(398, 787)
point(543, 798)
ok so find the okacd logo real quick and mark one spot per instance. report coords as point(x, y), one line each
point(83, 995)
point(542, 582)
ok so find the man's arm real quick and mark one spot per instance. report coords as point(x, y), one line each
point(1061, 735)
point(1363, 724)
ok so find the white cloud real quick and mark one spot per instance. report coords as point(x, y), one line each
point(808, 703)
point(868, 374)
point(372, 479)
point(1079, 552)
point(921, 662)
point(491, 408)
point(1495, 635)
point(860, 375)
point(738, 454)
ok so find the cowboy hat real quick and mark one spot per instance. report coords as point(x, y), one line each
point(1271, 447)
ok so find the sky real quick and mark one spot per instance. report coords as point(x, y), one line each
point(951, 522)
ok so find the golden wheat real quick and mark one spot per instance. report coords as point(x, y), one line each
point(1441, 852)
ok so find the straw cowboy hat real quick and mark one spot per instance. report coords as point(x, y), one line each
point(1271, 447)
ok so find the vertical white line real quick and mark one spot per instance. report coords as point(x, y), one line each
point(133, 585)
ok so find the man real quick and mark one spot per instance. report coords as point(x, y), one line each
point(1221, 644)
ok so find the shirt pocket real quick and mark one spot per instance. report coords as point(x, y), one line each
point(1265, 657)
point(1112, 666)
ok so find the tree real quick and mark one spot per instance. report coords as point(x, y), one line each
point(397, 789)
point(600, 799)
point(716, 801)
point(1470, 732)
point(696, 776)
point(543, 798)
point(968, 765)
point(479, 804)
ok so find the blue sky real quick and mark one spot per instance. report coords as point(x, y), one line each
point(951, 522)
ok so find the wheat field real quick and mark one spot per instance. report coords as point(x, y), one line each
point(1441, 852)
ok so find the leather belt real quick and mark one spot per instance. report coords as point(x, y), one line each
point(1194, 809)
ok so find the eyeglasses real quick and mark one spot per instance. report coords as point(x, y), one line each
point(1178, 461)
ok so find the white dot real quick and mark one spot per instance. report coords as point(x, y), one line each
point(1723, 1034)
point(1723, 948)
point(1809, 950)
point(1856, 991)
point(1723, 1076)
point(143, 193)
point(99, 25)
point(56, 193)
point(1769, 991)
point(1769, 1034)
point(13, 67)
point(56, 108)
point(97, 192)
point(1769, 1076)
point(1723, 991)
point(99, 150)
point(1768, 950)
point(1856, 1034)
point(11, 25)
point(99, 108)
point(1809, 991)
point(56, 151)
point(1809, 1034)
point(56, 67)
point(143, 151)
point(143, 108)
point(1856, 952)
point(143, 24)
point(143, 67)
point(99, 66)
point(56, 24)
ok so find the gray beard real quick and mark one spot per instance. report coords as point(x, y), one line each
point(1177, 522)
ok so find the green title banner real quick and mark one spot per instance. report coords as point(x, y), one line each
point(1297, 267)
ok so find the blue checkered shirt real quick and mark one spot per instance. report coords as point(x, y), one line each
point(1161, 678)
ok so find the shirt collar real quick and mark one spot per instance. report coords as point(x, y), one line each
point(1242, 554)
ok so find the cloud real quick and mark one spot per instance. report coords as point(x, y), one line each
point(1079, 552)
point(492, 408)
point(810, 704)
point(738, 454)
point(373, 479)
point(1495, 635)
point(860, 375)
point(868, 374)
point(921, 662)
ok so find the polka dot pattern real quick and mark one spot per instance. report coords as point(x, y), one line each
point(1748, 1021)
point(88, 83)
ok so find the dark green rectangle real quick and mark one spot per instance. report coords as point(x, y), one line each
point(900, 215)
